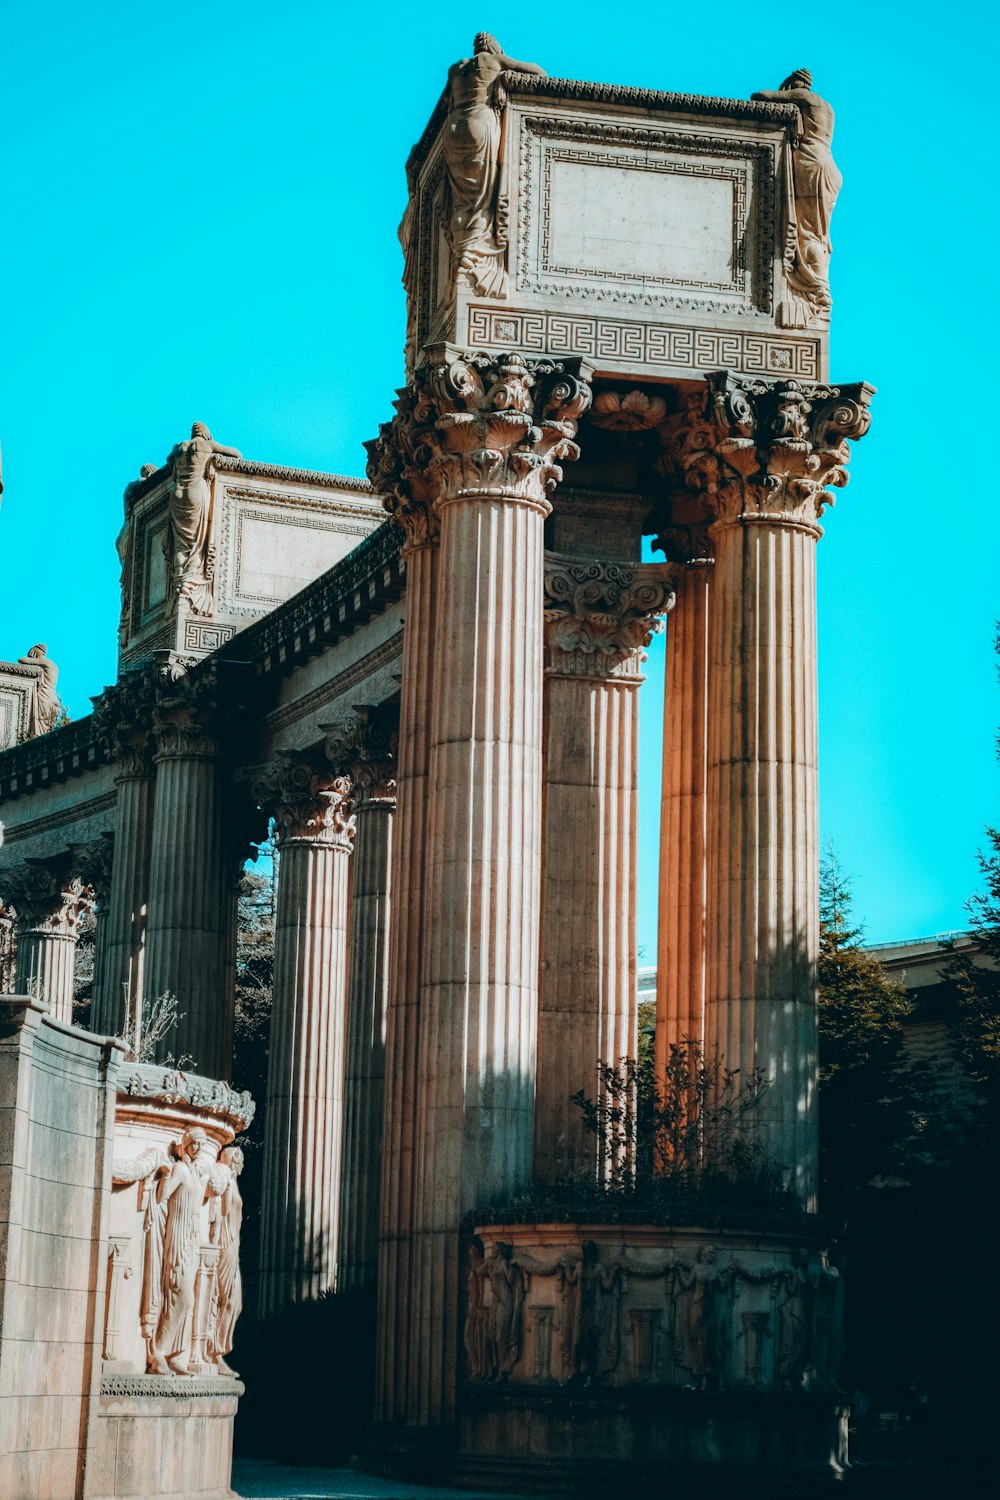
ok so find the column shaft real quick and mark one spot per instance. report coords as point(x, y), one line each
point(305, 1079)
point(763, 919)
point(587, 1007)
point(680, 958)
point(187, 927)
point(479, 987)
point(368, 973)
point(406, 938)
point(123, 920)
point(45, 967)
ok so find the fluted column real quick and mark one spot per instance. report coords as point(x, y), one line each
point(123, 725)
point(599, 619)
point(92, 863)
point(187, 926)
point(680, 956)
point(776, 448)
point(395, 470)
point(364, 747)
point(300, 1207)
point(50, 905)
point(493, 438)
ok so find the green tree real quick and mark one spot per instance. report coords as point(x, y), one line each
point(870, 1097)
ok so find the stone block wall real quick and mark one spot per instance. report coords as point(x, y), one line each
point(57, 1103)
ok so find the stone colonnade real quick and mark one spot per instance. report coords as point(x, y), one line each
point(518, 782)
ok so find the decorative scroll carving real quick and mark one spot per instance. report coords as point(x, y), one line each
point(471, 143)
point(364, 746)
point(186, 544)
point(192, 711)
point(812, 183)
point(93, 862)
point(779, 446)
point(46, 901)
point(123, 725)
point(45, 706)
point(474, 424)
point(307, 804)
point(151, 1081)
point(600, 617)
point(757, 1321)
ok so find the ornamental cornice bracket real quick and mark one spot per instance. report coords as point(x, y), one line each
point(308, 803)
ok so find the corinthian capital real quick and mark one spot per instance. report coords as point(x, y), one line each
point(600, 617)
point(46, 900)
point(306, 804)
point(474, 426)
point(364, 746)
point(194, 711)
point(780, 447)
point(123, 726)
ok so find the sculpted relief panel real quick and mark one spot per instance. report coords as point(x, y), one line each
point(622, 1309)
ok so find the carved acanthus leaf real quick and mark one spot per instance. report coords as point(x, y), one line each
point(364, 746)
point(472, 425)
point(780, 446)
point(600, 617)
point(46, 900)
point(307, 803)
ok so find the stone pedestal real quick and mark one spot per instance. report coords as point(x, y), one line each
point(171, 1281)
point(187, 928)
point(366, 749)
point(599, 618)
point(491, 443)
point(775, 448)
point(50, 906)
point(302, 1147)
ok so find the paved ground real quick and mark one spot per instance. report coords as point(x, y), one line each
point(260, 1479)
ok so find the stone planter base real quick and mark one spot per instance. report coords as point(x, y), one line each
point(171, 1437)
point(591, 1440)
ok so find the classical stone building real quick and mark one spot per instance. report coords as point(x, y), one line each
point(618, 317)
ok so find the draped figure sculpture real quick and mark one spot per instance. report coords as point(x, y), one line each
point(188, 517)
point(45, 706)
point(180, 1193)
point(475, 216)
point(814, 181)
point(224, 1231)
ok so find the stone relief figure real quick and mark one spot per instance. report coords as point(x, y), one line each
point(475, 215)
point(477, 1316)
point(507, 1286)
point(811, 192)
point(792, 1298)
point(826, 1344)
point(225, 1223)
point(186, 541)
point(180, 1191)
point(589, 1315)
point(46, 707)
point(692, 1328)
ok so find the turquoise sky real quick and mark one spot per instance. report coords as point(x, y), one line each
point(199, 222)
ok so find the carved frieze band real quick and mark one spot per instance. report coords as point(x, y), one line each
point(659, 346)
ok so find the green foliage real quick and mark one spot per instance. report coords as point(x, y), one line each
point(254, 978)
point(872, 1100)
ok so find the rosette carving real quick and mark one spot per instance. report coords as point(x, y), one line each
point(600, 617)
point(307, 804)
point(364, 746)
point(477, 424)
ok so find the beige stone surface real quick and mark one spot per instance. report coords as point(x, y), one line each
point(57, 1089)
